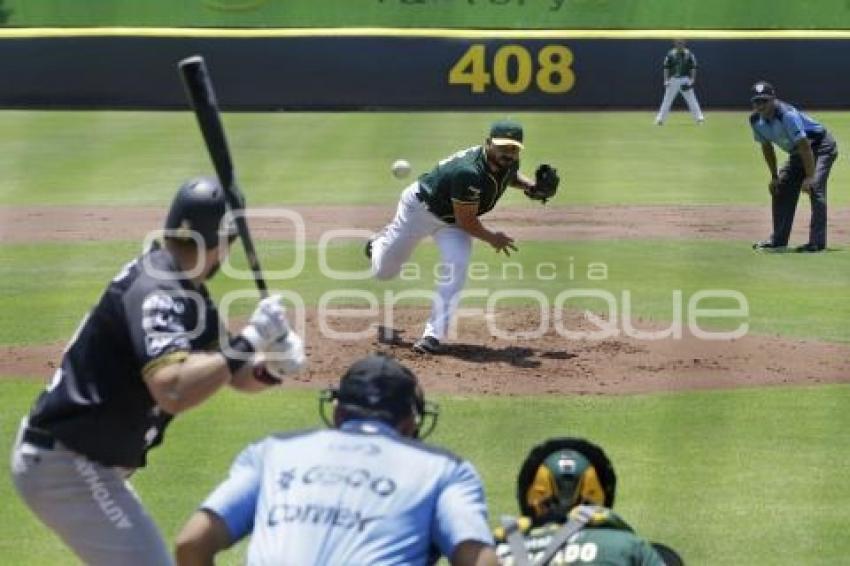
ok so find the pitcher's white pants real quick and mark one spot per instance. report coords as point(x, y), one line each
point(674, 87)
point(396, 242)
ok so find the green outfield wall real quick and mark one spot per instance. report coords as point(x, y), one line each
point(481, 14)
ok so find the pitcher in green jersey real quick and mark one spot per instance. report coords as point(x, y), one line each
point(446, 203)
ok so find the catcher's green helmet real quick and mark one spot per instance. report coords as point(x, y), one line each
point(561, 473)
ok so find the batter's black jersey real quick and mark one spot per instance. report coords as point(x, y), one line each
point(465, 177)
point(98, 403)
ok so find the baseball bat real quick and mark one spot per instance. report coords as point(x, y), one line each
point(199, 89)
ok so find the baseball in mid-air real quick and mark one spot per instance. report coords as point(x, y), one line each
point(401, 168)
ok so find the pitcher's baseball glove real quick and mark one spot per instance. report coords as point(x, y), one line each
point(545, 183)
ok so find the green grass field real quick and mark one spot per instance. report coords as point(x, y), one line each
point(752, 476)
point(134, 158)
point(54, 292)
point(725, 477)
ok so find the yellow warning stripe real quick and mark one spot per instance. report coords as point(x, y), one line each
point(48, 32)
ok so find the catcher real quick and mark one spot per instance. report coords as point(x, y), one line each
point(446, 203)
point(565, 491)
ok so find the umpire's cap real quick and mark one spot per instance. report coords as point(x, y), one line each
point(506, 132)
point(762, 90)
point(379, 387)
point(561, 473)
point(199, 207)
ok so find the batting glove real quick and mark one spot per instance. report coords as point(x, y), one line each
point(268, 324)
point(284, 357)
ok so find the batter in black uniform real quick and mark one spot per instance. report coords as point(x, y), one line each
point(151, 348)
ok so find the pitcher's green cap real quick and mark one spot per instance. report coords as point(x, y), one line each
point(506, 132)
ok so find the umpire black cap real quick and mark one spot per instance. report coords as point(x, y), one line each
point(762, 90)
point(379, 386)
point(199, 206)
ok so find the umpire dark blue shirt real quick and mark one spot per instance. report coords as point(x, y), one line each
point(98, 403)
point(787, 127)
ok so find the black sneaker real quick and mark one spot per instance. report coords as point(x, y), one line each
point(368, 249)
point(809, 248)
point(427, 345)
point(766, 245)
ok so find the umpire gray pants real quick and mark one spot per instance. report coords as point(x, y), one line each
point(91, 507)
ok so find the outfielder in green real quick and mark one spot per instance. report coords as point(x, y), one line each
point(565, 490)
point(446, 203)
point(680, 75)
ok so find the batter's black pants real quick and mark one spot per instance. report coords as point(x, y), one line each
point(788, 193)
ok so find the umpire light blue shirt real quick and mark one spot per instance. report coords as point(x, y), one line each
point(787, 127)
point(362, 494)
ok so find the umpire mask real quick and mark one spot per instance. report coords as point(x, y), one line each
point(379, 387)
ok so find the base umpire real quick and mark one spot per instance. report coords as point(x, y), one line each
point(812, 151)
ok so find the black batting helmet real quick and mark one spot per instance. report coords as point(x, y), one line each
point(561, 473)
point(199, 207)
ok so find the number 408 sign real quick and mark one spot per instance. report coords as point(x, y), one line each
point(513, 69)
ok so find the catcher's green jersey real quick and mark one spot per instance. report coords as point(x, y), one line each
point(680, 64)
point(607, 539)
point(464, 177)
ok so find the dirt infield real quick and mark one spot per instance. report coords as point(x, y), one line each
point(53, 223)
point(476, 362)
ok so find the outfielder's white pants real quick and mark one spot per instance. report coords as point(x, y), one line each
point(674, 87)
point(393, 246)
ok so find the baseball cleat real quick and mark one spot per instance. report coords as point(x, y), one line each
point(809, 248)
point(427, 345)
point(766, 245)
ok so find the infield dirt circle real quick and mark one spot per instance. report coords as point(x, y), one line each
point(477, 362)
